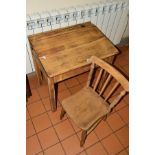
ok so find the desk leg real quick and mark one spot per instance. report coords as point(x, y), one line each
point(52, 93)
point(38, 72)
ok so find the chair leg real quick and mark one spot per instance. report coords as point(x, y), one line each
point(105, 117)
point(62, 113)
point(83, 137)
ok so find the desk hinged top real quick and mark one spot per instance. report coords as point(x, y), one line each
point(66, 49)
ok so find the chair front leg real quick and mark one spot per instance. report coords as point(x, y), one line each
point(104, 118)
point(83, 137)
point(62, 113)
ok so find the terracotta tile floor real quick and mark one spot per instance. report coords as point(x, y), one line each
point(48, 135)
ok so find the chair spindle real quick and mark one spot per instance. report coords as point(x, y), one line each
point(105, 84)
point(90, 74)
point(98, 79)
point(112, 90)
point(117, 99)
point(103, 78)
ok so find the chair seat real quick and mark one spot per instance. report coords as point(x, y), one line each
point(85, 107)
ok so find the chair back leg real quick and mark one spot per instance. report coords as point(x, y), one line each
point(62, 113)
point(83, 137)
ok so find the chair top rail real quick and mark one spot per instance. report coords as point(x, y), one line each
point(110, 69)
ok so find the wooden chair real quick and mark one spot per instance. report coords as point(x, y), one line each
point(96, 100)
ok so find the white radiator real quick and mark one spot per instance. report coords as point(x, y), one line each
point(110, 17)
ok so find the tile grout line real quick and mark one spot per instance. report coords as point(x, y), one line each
point(36, 134)
point(44, 129)
point(121, 151)
point(114, 132)
point(38, 115)
point(41, 98)
point(92, 144)
point(54, 131)
point(57, 136)
point(119, 139)
point(121, 108)
point(101, 143)
point(121, 116)
point(72, 86)
point(82, 81)
point(40, 131)
point(33, 102)
point(116, 112)
point(76, 133)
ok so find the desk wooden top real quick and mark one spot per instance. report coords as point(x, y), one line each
point(66, 49)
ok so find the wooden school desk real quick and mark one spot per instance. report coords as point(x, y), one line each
point(61, 54)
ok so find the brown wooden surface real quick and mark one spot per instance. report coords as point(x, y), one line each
point(62, 53)
point(67, 49)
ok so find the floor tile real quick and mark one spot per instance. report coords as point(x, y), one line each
point(55, 116)
point(55, 150)
point(29, 129)
point(123, 136)
point(75, 89)
point(58, 104)
point(83, 77)
point(48, 138)
point(43, 91)
point(102, 130)
point(36, 108)
point(124, 152)
point(46, 102)
point(63, 94)
point(126, 70)
point(27, 115)
point(35, 96)
point(71, 82)
point(96, 149)
point(72, 145)
point(126, 98)
point(41, 122)
point(32, 145)
point(124, 48)
point(61, 86)
point(82, 153)
point(64, 129)
point(115, 121)
point(121, 104)
point(83, 84)
point(112, 144)
point(40, 153)
point(122, 59)
point(90, 140)
point(124, 113)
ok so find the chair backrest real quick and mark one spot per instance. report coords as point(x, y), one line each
point(109, 83)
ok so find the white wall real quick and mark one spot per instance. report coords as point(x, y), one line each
point(44, 5)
